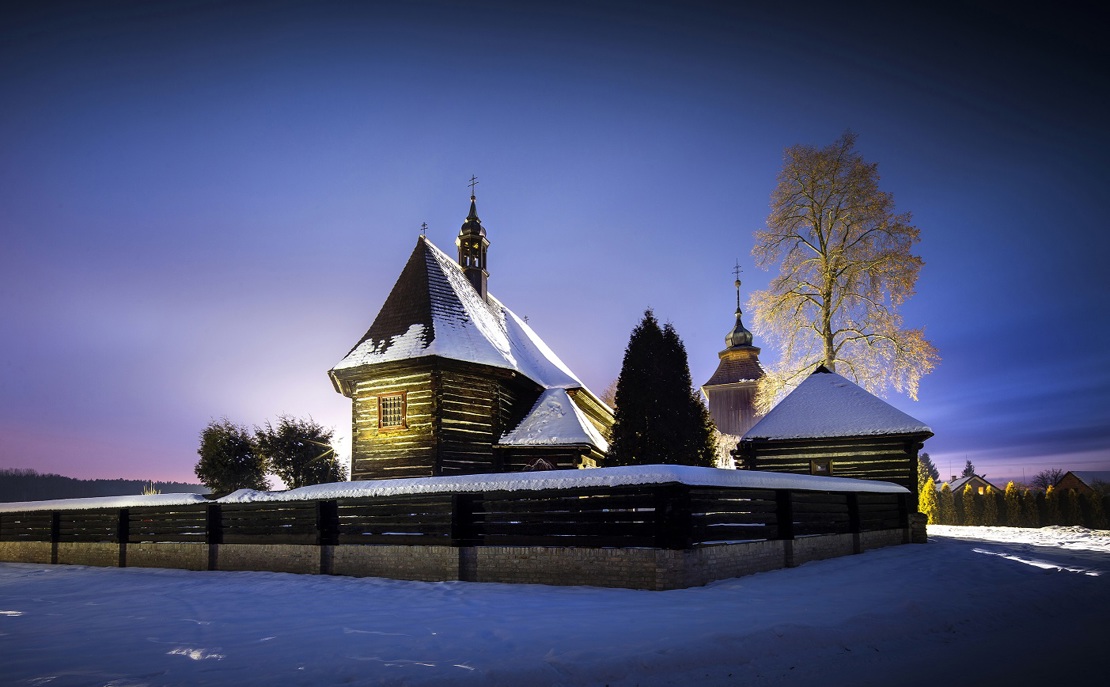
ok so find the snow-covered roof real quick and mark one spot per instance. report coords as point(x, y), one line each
point(505, 481)
point(826, 405)
point(433, 310)
point(959, 484)
point(1091, 477)
point(555, 420)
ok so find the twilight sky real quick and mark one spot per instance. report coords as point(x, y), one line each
point(204, 204)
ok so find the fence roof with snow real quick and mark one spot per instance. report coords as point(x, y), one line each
point(473, 484)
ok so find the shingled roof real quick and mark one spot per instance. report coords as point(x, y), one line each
point(434, 311)
point(827, 405)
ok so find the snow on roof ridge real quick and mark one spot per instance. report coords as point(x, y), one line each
point(827, 405)
point(466, 327)
point(555, 419)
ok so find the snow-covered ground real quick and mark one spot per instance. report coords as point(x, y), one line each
point(979, 606)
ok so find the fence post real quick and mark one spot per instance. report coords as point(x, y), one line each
point(55, 534)
point(213, 533)
point(465, 533)
point(327, 533)
point(123, 534)
point(855, 524)
point(784, 514)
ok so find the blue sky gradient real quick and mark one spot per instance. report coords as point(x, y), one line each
point(204, 204)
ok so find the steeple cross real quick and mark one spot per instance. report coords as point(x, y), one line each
point(737, 270)
point(423, 228)
point(472, 184)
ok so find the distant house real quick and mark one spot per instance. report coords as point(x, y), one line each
point(448, 380)
point(830, 426)
point(978, 484)
point(1085, 481)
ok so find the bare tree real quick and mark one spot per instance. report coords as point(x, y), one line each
point(1046, 478)
point(845, 267)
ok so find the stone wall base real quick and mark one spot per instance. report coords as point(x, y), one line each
point(26, 551)
point(654, 569)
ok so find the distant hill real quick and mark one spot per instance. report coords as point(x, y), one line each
point(28, 485)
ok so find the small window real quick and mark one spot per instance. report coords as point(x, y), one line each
point(820, 467)
point(391, 411)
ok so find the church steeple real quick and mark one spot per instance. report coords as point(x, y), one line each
point(473, 244)
point(739, 335)
point(732, 388)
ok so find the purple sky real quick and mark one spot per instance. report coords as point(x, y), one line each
point(203, 205)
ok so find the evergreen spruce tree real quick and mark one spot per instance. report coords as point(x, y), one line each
point(973, 507)
point(229, 459)
point(693, 427)
point(927, 502)
point(946, 505)
point(658, 417)
point(1051, 506)
point(926, 470)
point(1093, 514)
point(1012, 499)
point(1030, 515)
point(969, 470)
point(959, 511)
point(990, 508)
point(1070, 510)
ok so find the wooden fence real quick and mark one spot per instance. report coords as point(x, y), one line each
point(662, 516)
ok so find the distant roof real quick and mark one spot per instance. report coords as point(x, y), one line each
point(1089, 477)
point(827, 405)
point(434, 311)
point(555, 420)
point(958, 484)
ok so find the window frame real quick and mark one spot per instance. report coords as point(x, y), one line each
point(404, 419)
point(827, 463)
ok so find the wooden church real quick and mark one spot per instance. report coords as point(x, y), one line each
point(449, 381)
point(730, 392)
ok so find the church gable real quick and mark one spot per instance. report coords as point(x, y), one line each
point(446, 372)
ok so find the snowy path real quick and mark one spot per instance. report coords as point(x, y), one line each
point(959, 610)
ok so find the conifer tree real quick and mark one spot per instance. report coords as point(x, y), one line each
point(658, 418)
point(1094, 515)
point(927, 502)
point(973, 507)
point(969, 470)
point(959, 511)
point(1070, 511)
point(990, 508)
point(1051, 506)
point(926, 470)
point(946, 505)
point(1030, 515)
point(1012, 499)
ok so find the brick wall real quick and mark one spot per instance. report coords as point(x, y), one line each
point(166, 555)
point(26, 551)
point(423, 563)
point(98, 554)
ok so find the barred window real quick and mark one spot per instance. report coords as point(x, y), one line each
point(391, 410)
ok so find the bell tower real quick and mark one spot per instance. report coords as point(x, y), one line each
point(732, 388)
point(473, 244)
